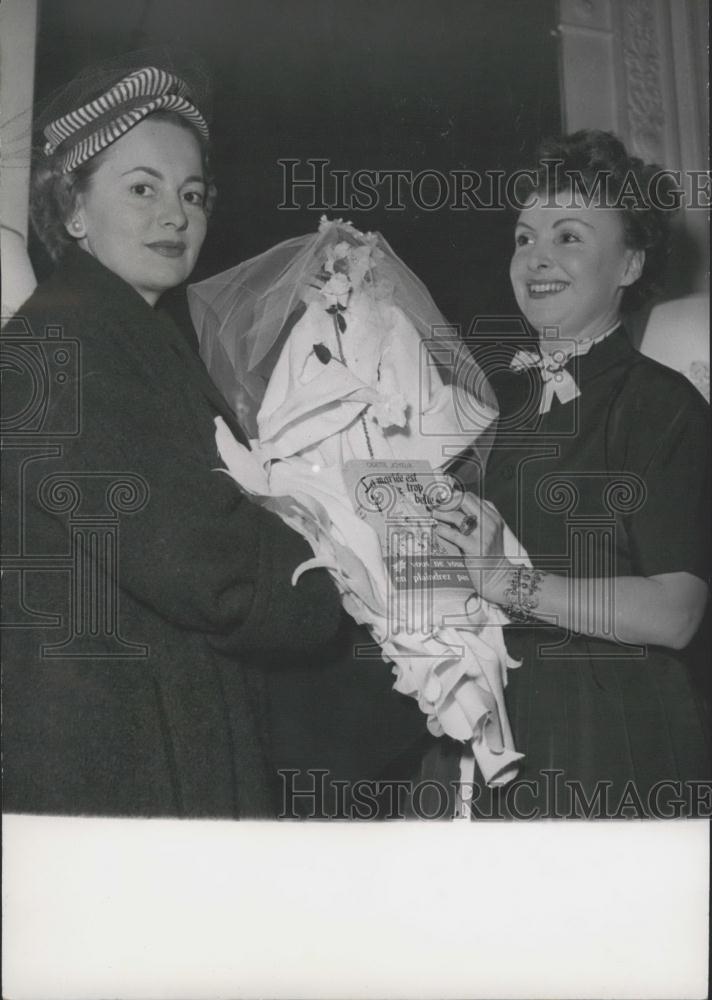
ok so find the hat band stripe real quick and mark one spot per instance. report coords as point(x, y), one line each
point(82, 116)
point(105, 134)
point(143, 83)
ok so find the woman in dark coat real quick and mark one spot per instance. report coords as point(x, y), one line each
point(600, 467)
point(145, 599)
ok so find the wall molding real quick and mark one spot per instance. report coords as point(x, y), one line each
point(639, 68)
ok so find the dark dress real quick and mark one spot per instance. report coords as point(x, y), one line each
point(147, 604)
point(614, 483)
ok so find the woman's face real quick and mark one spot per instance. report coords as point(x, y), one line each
point(570, 266)
point(143, 213)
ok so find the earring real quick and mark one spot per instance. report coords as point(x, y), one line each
point(76, 225)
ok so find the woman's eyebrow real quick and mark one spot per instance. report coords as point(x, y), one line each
point(160, 177)
point(561, 222)
point(146, 170)
point(524, 225)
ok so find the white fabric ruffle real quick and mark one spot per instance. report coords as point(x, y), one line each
point(312, 422)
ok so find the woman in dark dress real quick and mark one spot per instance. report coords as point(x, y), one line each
point(145, 599)
point(600, 468)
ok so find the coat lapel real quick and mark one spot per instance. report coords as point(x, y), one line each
point(152, 332)
point(199, 373)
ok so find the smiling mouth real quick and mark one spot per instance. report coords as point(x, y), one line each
point(540, 289)
point(167, 248)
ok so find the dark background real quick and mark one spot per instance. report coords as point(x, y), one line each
point(371, 84)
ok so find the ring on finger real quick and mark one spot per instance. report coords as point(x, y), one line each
point(468, 524)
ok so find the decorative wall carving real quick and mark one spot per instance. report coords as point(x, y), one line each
point(639, 68)
point(643, 72)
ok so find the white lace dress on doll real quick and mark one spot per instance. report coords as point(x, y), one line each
point(313, 408)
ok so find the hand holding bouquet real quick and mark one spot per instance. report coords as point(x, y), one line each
point(364, 374)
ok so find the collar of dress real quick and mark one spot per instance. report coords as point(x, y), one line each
point(556, 380)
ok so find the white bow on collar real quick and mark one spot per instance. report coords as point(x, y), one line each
point(556, 380)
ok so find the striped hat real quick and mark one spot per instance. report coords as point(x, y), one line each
point(82, 133)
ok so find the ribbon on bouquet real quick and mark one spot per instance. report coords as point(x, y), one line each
point(556, 380)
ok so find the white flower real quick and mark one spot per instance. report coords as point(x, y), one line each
point(336, 288)
point(326, 223)
point(352, 263)
point(391, 410)
point(359, 264)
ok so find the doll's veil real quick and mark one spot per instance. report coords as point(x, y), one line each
point(244, 315)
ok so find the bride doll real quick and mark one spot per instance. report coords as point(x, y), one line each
point(334, 356)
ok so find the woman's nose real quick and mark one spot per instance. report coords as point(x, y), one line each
point(173, 212)
point(539, 258)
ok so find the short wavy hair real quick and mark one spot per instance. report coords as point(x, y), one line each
point(54, 194)
point(646, 196)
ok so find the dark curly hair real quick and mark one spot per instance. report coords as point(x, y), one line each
point(54, 194)
point(597, 165)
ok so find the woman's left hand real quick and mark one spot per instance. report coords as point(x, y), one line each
point(477, 530)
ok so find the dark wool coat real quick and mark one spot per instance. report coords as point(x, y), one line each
point(156, 702)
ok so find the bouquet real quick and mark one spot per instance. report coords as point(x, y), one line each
point(354, 389)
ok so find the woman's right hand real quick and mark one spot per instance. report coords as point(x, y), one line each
point(477, 530)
